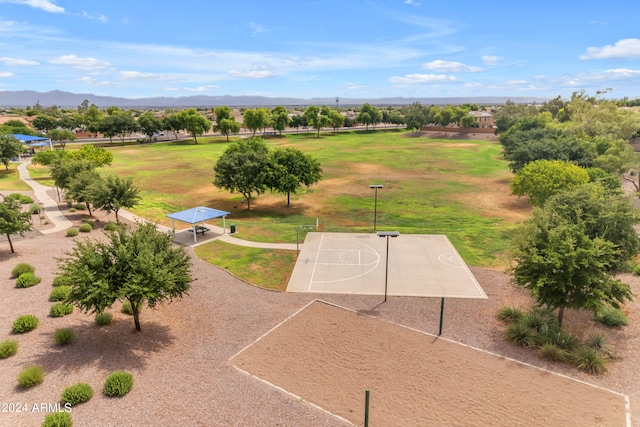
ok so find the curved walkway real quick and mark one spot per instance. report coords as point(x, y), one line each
point(61, 222)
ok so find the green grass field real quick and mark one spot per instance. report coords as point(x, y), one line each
point(457, 188)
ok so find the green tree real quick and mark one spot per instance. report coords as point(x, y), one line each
point(569, 252)
point(334, 118)
point(290, 168)
point(12, 219)
point(61, 136)
point(64, 169)
point(78, 187)
point(10, 148)
point(44, 123)
point(542, 179)
point(315, 119)
point(193, 122)
point(92, 118)
point(172, 124)
point(113, 193)
point(243, 168)
point(120, 124)
point(48, 157)
point(98, 155)
point(369, 115)
point(141, 266)
point(225, 122)
point(279, 118)
point(149, 124)
point(256, 118)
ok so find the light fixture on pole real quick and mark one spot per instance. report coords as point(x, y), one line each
point(375, 203)
point(387, 234)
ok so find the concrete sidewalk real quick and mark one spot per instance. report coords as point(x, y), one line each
point(61, 222)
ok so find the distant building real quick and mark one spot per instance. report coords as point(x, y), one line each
point(483, 118)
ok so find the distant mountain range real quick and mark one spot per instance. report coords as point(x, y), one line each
point(26, 98)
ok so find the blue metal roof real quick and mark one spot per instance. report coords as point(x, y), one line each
point(28, 138)
point(197, 214)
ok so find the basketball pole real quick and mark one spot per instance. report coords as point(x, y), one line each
point(366, 408)
point(441, 315)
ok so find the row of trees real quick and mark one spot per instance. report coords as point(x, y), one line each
point(568, 158)
point(249, 166)
point(77, 173)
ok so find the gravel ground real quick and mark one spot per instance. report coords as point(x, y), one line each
point(180, 359)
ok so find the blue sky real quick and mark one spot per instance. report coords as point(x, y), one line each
point(321, 48)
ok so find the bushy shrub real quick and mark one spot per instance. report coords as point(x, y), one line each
point(539, 319)
point(57, 419)
point(77, 393)
point(553, 334)
point(26, 280)
point(20, 198)
point(61, 281)
point(103, 318)
point(64, 336)
point(118, 383)
point(636, 269)
point(60, 309)
point(72, 210)
point(588, 360)
point(59, 293)
point(22, 268)
point(110, 226)
point(519, 334)
point(8, 348)
point(611, 316)
point(31, 376)
point(24, 324)
point(35, 209)
point(510, 314)
point(599, 342)
point(126, 308)
point(553, 352)
point(79, 206)
point(85, 228)
point(72, 232)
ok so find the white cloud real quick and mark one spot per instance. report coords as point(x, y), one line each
point(354, 86)
point(256, 72)
point(93, 82)
point(14, 62)
point(257, 28)
point(491, 60)
point(450, 67)
point(6, 75)
point(46, 5)
point(421, 78)
point(99, 17)
point(200, 88)
point(412, 2)
point(142, 76)
point(625, 49)
point(80, 63)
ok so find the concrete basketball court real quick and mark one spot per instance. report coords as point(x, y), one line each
point(420, 265)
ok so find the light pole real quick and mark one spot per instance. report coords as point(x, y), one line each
point(375, 203)
point(307, 227)
point(387, 234)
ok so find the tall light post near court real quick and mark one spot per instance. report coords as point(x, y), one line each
point(375, 203)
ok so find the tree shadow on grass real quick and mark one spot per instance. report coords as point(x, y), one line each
point(116, 346)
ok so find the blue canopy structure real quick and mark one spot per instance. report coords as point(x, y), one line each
point(197, 215)
point(33, 141)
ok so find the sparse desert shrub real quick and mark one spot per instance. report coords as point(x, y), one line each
point(611, 316)
point(118, 383)
point(22, 268)
point(60, 309)
point(64, 336)
point(551, 351)
point(553, 334)
point(79, 206)
point(26, 280)
point(72, 232)
point(110, 226)
point(599, 342)
point(519, 334)
point(24, 323)
point(510, 314)
point(57, 419)
point(59, 293)
point(103, 318)
point(61, 281)
point(77, 393)
point(588, 360)
point(8, 348)
point(539, 319)
point(31, 376)
point(72, 210)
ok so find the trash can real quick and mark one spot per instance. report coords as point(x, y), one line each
point(233, 228)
